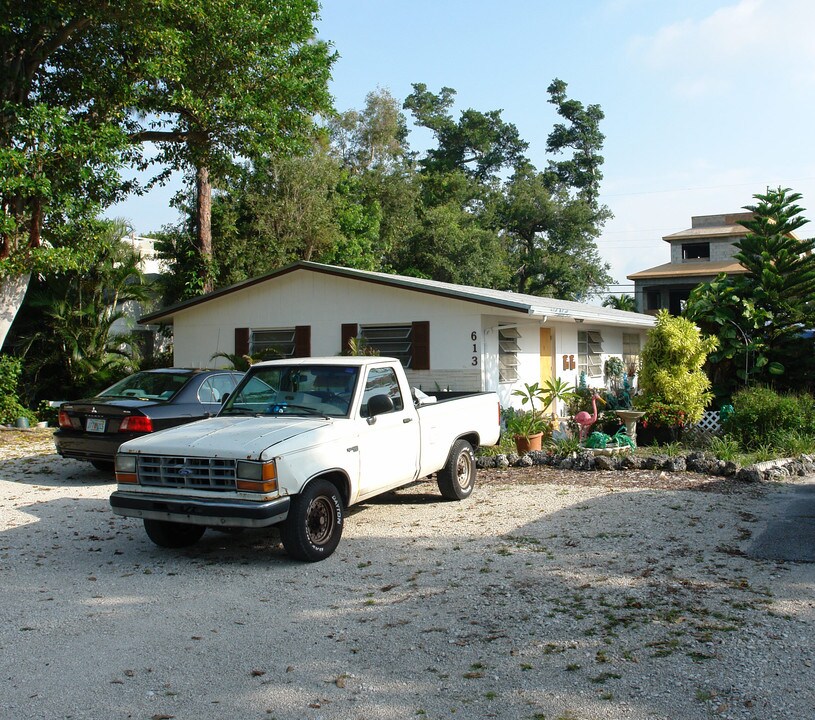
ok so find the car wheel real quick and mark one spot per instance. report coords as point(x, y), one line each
point(457, 478)
point(103, 465)
point(313, 528)
point(171, 534)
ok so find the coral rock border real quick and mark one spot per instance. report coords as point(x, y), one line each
point(695, 461)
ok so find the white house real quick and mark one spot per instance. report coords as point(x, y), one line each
point(448, 337)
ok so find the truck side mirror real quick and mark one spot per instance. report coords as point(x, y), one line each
point(224, 397)
point(379, 404)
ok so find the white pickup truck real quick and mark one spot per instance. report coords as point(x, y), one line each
point(296, 443)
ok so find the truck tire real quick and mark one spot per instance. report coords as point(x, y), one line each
point(313, 528)
point(457, 478)
point(171, 534)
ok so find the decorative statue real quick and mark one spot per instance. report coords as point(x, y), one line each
point(585, 420)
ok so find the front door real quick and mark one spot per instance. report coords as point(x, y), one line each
point(546, 357)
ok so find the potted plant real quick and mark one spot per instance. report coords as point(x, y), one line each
point(528, 427)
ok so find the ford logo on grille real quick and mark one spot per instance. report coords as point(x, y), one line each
point(184, 472)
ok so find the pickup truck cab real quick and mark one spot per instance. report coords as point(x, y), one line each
point(296, 443)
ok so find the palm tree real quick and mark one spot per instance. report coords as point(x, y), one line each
point(72, 347)
point(621, 302)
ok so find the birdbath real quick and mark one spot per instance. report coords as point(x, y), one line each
point(629, 418)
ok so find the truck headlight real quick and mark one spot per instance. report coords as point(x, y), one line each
point(256, 476)
point(126, 468)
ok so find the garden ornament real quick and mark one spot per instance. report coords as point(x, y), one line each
point(621, 437)
point(597, 440)
point(585, 420)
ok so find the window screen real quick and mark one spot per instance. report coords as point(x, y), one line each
point(272, 343)
point(394, 341)
point(508, 350)
point(589, 352)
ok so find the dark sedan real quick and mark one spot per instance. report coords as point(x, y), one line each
point(145, 402)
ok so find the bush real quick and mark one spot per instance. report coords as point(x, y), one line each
point(762, 417)
point(10, 408)
point(671, 375)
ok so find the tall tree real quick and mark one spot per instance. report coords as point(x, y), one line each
point(582, 137)
point(480, 144)
point(374, 138)
point(58, 151)
point(552, 238)
point(231, 80)
point(760, 317)
point(372, 146)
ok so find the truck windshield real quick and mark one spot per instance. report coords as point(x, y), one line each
point(324, 390)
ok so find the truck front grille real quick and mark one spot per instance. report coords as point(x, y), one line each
point(186, 472)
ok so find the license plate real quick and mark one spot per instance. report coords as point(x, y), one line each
point(95, 425)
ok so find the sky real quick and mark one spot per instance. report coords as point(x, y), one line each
point(706, 102)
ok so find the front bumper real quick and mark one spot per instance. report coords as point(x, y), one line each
point(201, 511)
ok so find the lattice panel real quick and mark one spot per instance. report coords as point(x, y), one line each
point(708, 427)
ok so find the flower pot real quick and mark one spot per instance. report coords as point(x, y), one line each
point(527, 443)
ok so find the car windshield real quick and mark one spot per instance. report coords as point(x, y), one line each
point(324, 390)
point(158, 386)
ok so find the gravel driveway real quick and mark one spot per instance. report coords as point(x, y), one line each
point(546, 595)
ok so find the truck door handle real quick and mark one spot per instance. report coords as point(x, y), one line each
point(407, 420)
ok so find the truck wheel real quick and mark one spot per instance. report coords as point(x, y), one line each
point(171, 534)
point(313, 528)
point(457, 478)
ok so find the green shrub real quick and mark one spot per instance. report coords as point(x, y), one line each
point(764, 418)
point(724, 448)
point(10, 408)
point(671, 375)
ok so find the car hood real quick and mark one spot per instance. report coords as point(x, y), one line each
point(228, 437)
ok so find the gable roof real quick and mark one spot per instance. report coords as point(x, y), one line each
point(515, 302)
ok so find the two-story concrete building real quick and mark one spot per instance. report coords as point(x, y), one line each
point(698, 255)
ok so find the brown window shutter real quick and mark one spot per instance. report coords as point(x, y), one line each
point(302, 341)
point(348, 331)
point(241, 341)
point(421, 345)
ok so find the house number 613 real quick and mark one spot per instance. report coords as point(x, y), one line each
point(474, 338)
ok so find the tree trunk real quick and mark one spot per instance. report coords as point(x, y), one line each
point(203, 210)
point(12, 293)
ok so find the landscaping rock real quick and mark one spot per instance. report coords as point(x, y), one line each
point(674, 464)
point(651, 462)
point(604, 462)
point(631, 462)
point(729, 469)
point(538, 457)
point(501, 461)
point(750, 474)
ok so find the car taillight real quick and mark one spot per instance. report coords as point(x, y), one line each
point(64, 420)
point(136, 423)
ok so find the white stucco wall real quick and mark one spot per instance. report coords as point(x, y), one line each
point(463, 335)
point(325, 302)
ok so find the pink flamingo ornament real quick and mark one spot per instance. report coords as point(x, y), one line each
point(585, 420)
